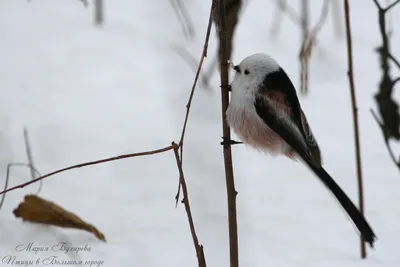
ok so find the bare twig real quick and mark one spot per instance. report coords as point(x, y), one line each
point(303, 56)
point(189, 103)
point(230, 182)
point(391, 153)
point(283, 7)
point(193, 63)
point(203, 55)
point(30, 159)
point(394, 60)
point(32, 168)
point(157, 151)
point(308, 44)
point(388, 108)
point(184, 18)
point(199, 248)
point(391, 5)
point(355, 118)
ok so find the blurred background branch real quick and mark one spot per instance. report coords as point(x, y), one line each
point(387, 106)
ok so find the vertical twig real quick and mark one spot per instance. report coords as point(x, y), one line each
point(199, 248)
point(29, 152)
point(305, 31)
point(355, 119)
point(230, 183)
point(308, 43)
point(184, 18)
point(99, 12)
point(8, 173)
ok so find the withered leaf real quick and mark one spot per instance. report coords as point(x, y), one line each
point(38, 210)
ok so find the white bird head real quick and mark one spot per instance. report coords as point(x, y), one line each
point(252, 70)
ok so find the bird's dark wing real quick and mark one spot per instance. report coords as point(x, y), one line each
point(311, 141)
point(278, 85)
point(290, 133)
point(274, 115)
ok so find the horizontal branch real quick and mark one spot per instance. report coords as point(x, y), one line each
point(145, 153)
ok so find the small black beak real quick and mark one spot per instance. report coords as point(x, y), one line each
point(236, 68)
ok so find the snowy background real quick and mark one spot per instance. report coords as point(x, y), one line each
point(87, 93)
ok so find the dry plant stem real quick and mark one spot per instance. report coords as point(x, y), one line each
point(355, 118)
point(157, 151)
point(189, 103)
point(29, 152)
point(30, 164)
point(392, 156)
point(8, 177)
point(305, 28)
point(203, 55)
point(183, 17)
point(230, 183)
point(392, 5)
point(199, 248)
point(307, 46)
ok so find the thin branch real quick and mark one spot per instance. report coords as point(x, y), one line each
point(203, 55)
point(230, 182)
point(308, 44)
point(32, 168)
point(378, 5)
point(355, 118)
point(151, 152)
point(283, 7)
point(395, 61)
point(388, 108)
point(199, 248)
point(392, 5)
point(184, 18)
point(193, 63)
point(305, 25)
point(30, 159)
point(189, 103)
point(391, 153)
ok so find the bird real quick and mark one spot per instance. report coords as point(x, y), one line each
point(265, 113)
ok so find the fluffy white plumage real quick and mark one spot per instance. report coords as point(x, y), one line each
point(241, 113)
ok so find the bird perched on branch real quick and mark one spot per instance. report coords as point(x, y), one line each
point(265, 113)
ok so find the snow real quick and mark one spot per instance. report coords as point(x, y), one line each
point(87, 93)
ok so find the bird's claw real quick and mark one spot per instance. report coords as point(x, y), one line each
point(228, 141)
point(228, 87)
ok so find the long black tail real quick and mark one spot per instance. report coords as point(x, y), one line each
point(284, 129)
point(366, 232)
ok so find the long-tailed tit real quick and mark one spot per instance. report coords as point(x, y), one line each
point(265, 113)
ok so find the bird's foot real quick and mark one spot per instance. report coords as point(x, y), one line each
point(228, 141)
point(228, 87)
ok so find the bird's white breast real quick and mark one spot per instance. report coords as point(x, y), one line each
point(244, 120)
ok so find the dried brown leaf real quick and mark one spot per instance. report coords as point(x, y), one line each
point(37, 210)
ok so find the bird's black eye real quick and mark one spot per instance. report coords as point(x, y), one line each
point(237, 68)
point(246, 71)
